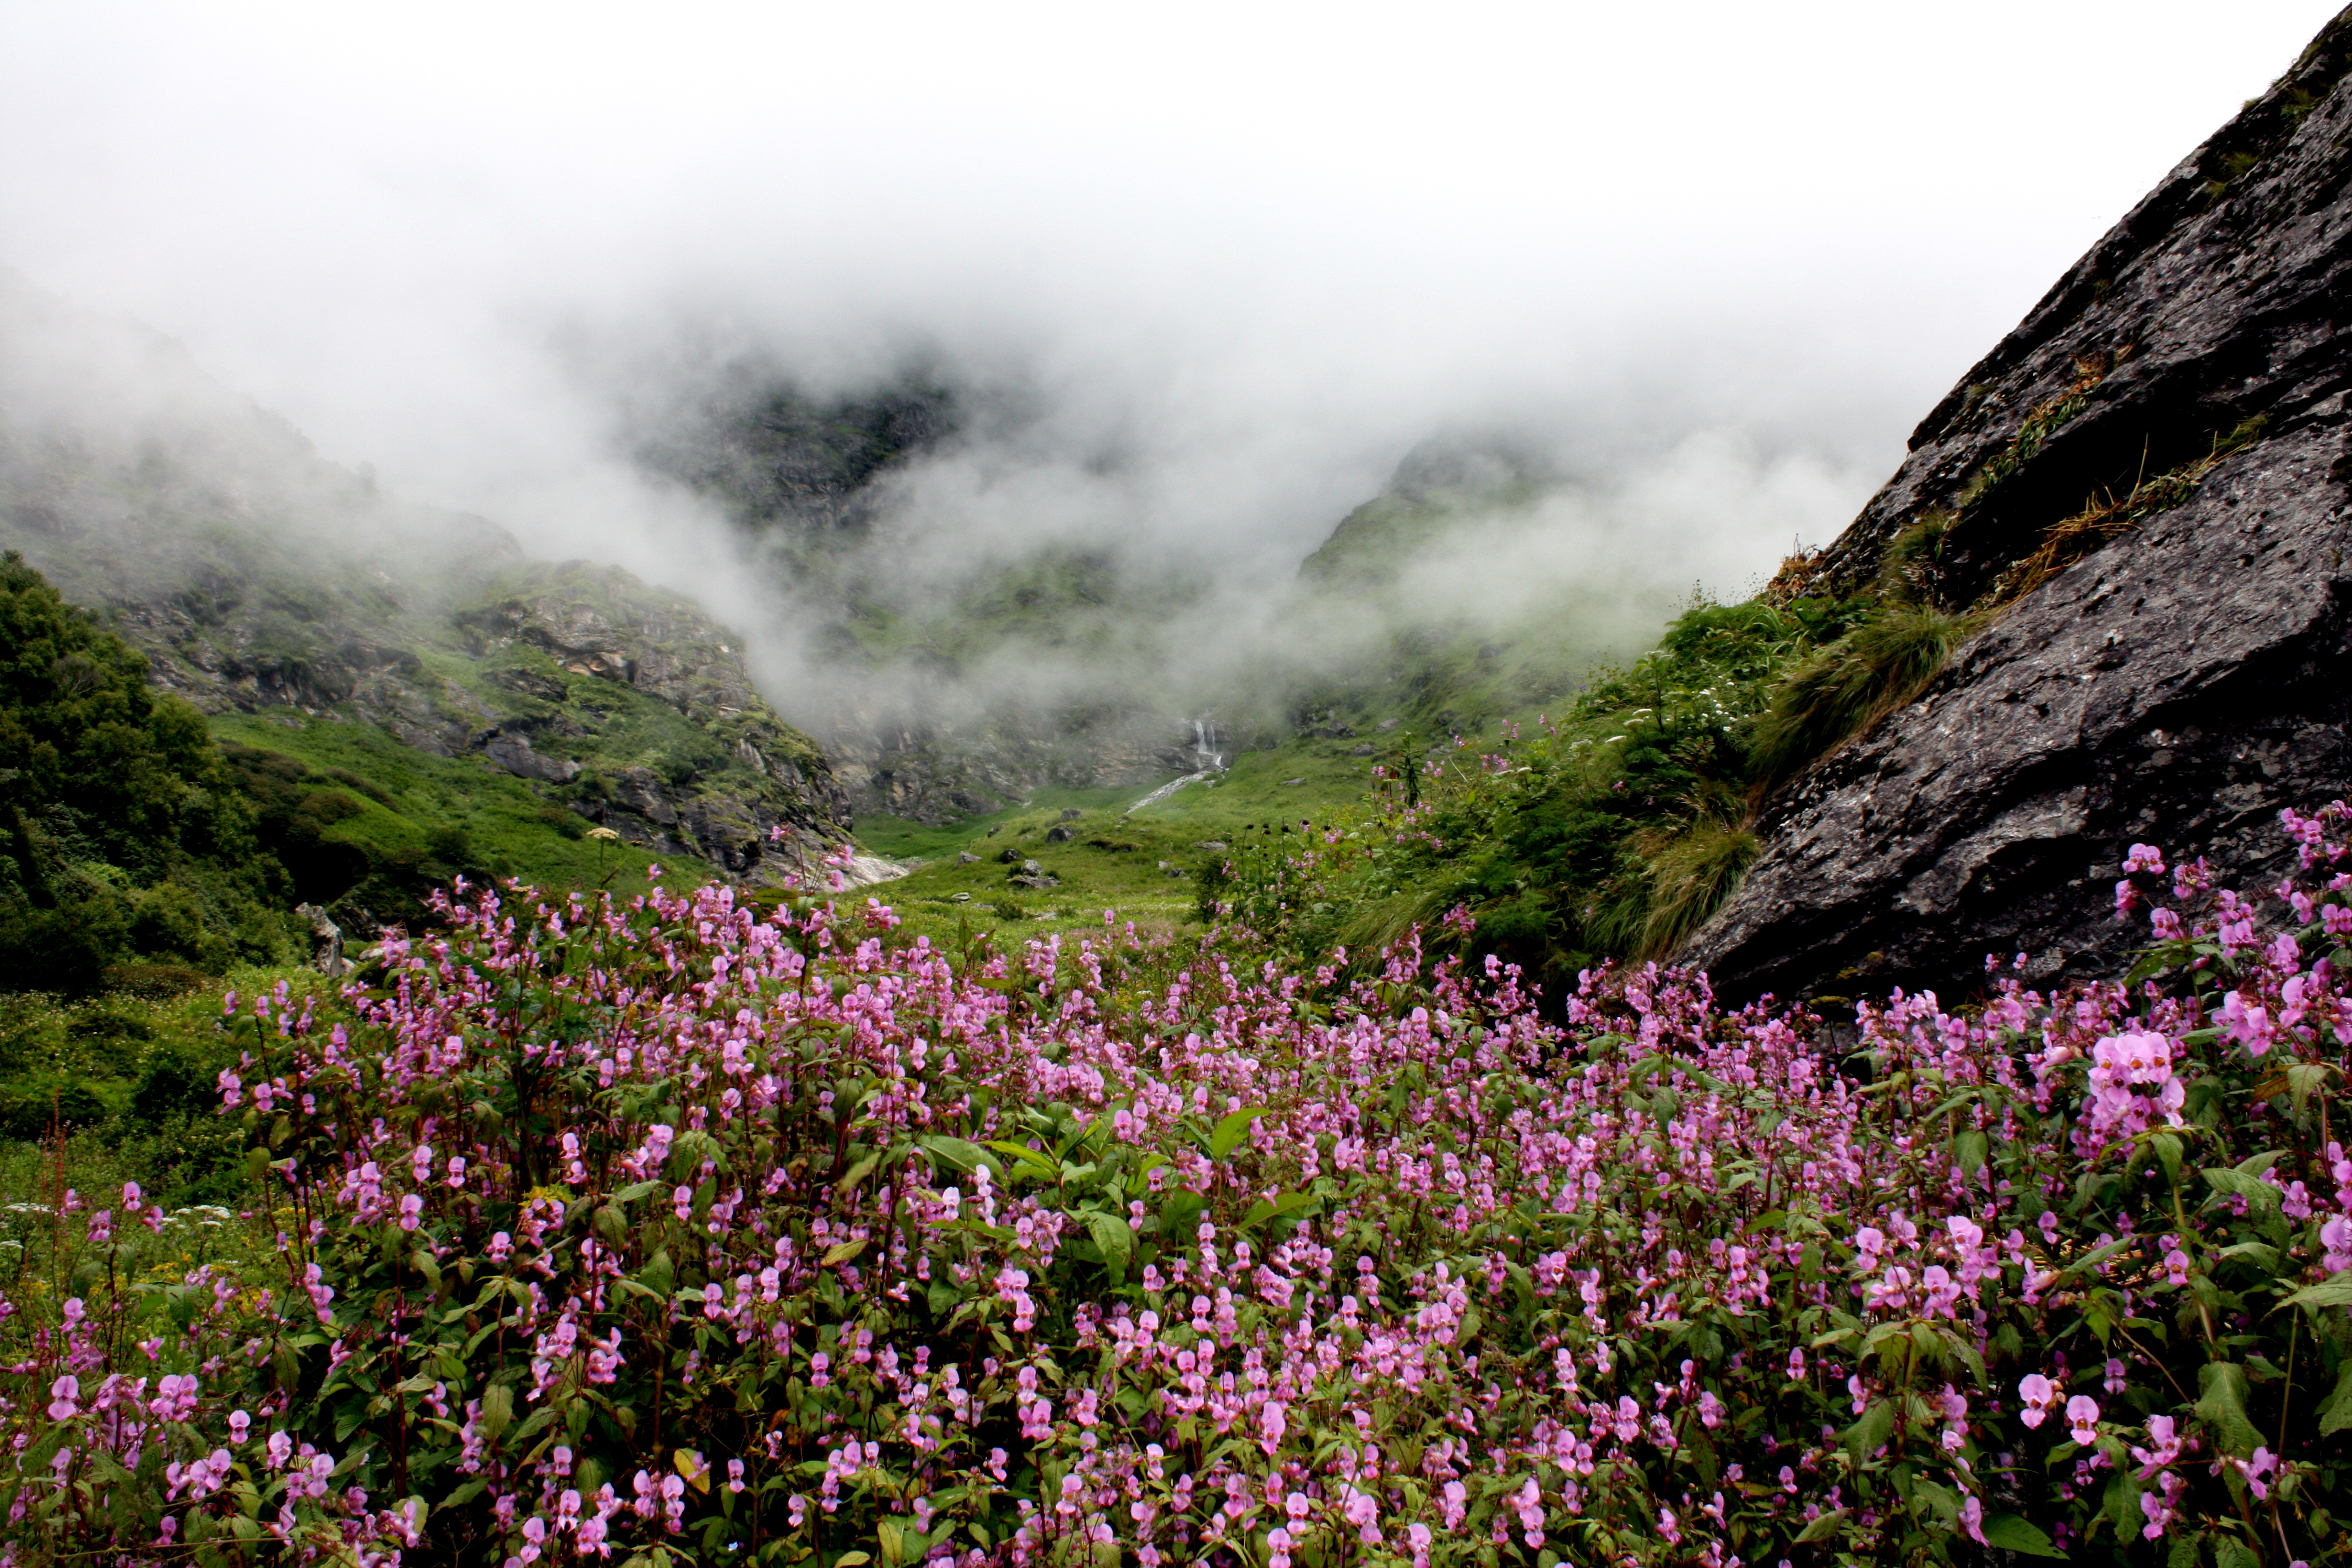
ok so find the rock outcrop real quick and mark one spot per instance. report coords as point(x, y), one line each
point(2162, 445)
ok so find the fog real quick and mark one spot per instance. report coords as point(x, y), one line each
point(1204, 275)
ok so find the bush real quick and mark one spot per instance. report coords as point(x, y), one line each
point(681, 1233)
point(65, 949)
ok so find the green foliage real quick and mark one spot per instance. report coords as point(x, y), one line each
point(124, 833)
point(368, 827)
point(1616, 829)
point(122, 1087)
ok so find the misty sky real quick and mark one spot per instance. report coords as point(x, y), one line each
point(1241, 257)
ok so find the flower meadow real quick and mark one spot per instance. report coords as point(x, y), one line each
point(697, 1231)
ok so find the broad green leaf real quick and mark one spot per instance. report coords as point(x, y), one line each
point(1112, 1234)
point(1288, 1203)
point(2262, 1253)
point(632, 1192)
point(858, 1172)
point(1869, 1435)
point(1233, 1130)
point(1823, 1528)
point(2008, 1532)
point(2260, 1195)
point(2335, 1412)
point(2222, 1402)
point(960, 1152)
point(2334, 1292)
point(1943, 1500)
point(1028, 1159)
point(841, 1252)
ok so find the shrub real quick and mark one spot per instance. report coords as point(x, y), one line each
point(674, 1232)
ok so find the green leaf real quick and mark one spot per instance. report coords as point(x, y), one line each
point(2008, 1532)
point(2229, 1552)
point(2222, 1402)
point(2334, 1292)
point(858, 1559)
point(2335, 1414)
point(1233, 1130)
point(841, 1252)
point(1823, 1528)
point(962, 1153)
point(2262, 1253)
point(2168, 1151)
point(1028, 1159)
point(2261, 1198)
point(858, 1172)
point(632, 1192)
point(2303, 1077)
point(1264, 1210)
point(1943, 1500)
point(1116, 1239)
point(1869, 1435)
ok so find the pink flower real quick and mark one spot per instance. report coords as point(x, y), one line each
point(62, 1396)
point(2082, 1419)
point(2041, 1398)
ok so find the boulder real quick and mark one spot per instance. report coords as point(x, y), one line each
point(2175, 685)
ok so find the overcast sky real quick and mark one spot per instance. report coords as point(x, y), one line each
point(1260, 249)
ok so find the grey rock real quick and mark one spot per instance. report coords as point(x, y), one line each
point(1037, 881)
point(2178, 687)
point(1071, 814)
point(1060, 833)
point(1216, 846)
point(966, 857)
point(327, 942)
point(1287, 781)
point(514, 753)
point(1366, 750)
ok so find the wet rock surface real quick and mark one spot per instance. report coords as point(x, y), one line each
point(2176, 687)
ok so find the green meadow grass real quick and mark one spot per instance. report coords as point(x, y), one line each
point(1138, 862)
point(511, 828)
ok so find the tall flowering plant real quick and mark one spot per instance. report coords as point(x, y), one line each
point(694, 1231)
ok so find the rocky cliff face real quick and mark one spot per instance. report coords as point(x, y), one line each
point(2147, 489)
point(256, 578)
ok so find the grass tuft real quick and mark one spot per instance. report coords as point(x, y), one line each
point(1851, 685)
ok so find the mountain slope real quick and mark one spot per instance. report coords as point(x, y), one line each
point(279, 593)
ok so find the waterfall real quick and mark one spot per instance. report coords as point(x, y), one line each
point(1205, 746)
